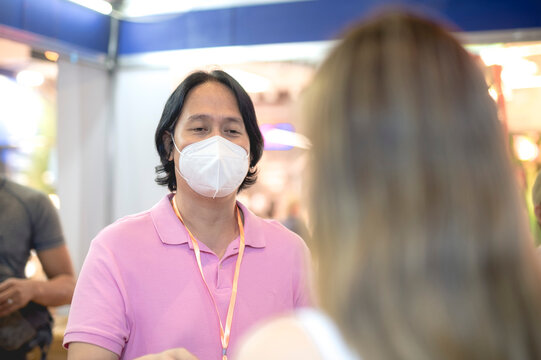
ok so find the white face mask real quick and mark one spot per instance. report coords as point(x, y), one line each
point(214, 167)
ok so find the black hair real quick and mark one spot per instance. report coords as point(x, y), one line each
point(165, 173)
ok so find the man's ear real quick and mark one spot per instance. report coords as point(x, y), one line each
point(537, 212)
point(168, 144)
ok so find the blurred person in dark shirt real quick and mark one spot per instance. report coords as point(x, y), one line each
point(29, 221)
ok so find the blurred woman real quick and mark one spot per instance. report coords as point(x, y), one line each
point(422, 245)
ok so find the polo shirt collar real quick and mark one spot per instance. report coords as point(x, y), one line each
point(253, 228)
point(172, 232)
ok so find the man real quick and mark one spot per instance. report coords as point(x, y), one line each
point(29, 221)
point(162, 284)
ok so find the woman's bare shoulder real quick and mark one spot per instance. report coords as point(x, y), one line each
point(282, 338)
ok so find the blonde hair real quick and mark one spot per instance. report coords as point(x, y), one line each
point(422, 246)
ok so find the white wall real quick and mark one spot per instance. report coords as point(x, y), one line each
point(140, 95)
point(83, 112)
point(106, 147)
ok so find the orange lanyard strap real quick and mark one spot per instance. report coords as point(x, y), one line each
point(224, 333)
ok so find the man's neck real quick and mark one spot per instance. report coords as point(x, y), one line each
point(211, 221)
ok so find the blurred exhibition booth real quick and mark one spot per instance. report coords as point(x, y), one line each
point(81, 90)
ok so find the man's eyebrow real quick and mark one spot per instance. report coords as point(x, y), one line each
point(234, 119)
point(198, 117)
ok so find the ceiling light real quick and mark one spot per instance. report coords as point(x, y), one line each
point(133, 9)
point(142, 8)
point(51, 56)
point(100, 6)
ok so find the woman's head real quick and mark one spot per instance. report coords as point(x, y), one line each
point(173, 109)
point(416, 216)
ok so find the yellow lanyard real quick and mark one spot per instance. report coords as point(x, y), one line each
point(224, 333)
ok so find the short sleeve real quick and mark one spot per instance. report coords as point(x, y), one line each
point(46, 228)
point(98, 313)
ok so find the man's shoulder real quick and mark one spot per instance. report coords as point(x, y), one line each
point(131, 231)
point(23, 199)
point(276, 235)
point(22, 193)
point(130, 227)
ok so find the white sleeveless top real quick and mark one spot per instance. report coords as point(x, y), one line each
point(324, 334)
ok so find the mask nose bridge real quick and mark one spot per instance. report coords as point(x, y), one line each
point(219, 146)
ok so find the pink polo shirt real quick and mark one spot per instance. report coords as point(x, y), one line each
point(140, 290)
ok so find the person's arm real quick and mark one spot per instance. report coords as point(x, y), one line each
point(84, 351)
point(171, 354)
point(57, 290)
